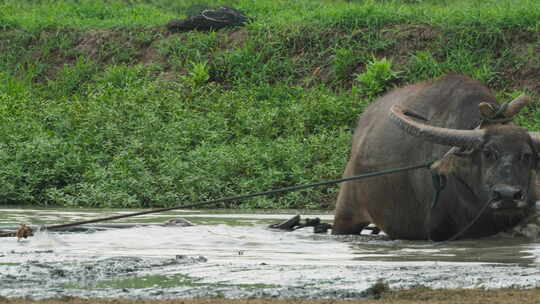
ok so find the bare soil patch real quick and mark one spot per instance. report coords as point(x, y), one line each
point(418, 295)
point(92, 41)
point(235, 39)
point(409, 39)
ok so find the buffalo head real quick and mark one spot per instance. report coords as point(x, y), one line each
point(495, 161)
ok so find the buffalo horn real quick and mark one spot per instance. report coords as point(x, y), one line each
point(516, 105)
point(468, 139)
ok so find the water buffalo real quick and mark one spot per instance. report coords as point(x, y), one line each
point(489, 163)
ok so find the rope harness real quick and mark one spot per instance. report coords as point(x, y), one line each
point(235, 198)
point(439, 181)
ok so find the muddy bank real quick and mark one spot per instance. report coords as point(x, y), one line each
point(42, 277)
point(417, 295)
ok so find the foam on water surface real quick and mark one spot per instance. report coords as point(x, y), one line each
point(235, 255)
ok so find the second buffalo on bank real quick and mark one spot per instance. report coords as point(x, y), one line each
point(488, 163)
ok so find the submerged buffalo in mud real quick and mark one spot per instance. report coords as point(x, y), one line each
point(487, 162)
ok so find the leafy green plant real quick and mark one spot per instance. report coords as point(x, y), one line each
point(198, 74)
point(377, 77)
point(121, 76)
point(71, 78)
point(181, 52)
point(424, 66)
point(343, 63)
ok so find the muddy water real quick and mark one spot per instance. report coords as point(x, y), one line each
point(233, 255)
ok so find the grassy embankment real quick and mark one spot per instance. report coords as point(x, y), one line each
point(101, 106)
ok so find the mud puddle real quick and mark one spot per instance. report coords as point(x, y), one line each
point(233, 255)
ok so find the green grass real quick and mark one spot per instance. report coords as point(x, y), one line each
point(101, 106)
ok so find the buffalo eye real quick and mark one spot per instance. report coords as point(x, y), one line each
point(489, 155)
point(526, 157)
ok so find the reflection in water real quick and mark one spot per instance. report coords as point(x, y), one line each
point(499, 249)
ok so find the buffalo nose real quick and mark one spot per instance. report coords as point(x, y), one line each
point(506, 192)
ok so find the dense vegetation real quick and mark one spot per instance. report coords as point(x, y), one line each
point(101, 106)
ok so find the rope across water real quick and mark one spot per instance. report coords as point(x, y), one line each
point(237, 197)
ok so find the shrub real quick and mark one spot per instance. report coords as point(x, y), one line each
point(378, 77)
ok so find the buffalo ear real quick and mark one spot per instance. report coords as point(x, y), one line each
point(449, 164)
point(453, 159)
point(444, 166)
point(535, 138)
point(487, 111)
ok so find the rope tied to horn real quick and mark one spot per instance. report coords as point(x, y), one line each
point(493, 114)
point(504, 113)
